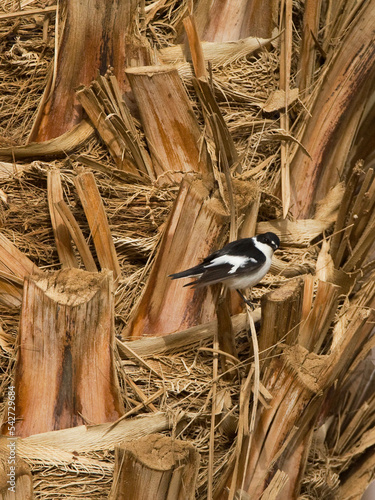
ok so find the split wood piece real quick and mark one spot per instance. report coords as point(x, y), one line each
point(195, 46)
point(282, 427)
point(171, 129)
point(313, 331)
point(220, 21)
point(98, 33)
point(62, 236)
point(307, 59)
point(357, 217)
point(340, 100)
point(76, 234)
point(65, 374)
point(196, 226)
point(15, 474)
point(126, 126)
point(294, 465)
point(103, 102)
point(359, 476)
point(286, 28)
point(96, 217)
point(212, 114)
point(281, 314)
point(276, 486)
point(297, 381)
point(155, 467)
point(114, 142)
point(153, 346)
point(14, 267)
point(57, 147)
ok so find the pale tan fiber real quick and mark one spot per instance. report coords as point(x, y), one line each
point(223, 131)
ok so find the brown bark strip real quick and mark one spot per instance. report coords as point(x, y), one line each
point(351, 75)
point(96, 217)
point(281, 313)
point(230, 20)
point(91, 40)
point(106, 130)
point(77, 236)
point(103, 103)
point(13, 263)
point(314, 329)
point(171, 129)
point(62, 236)
point(308, 47)
point(155, 467)
point(226, 336)
point(65, 373)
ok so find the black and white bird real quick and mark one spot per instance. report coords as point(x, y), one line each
point(240, 264)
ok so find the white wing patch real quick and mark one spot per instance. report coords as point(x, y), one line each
point(235, 261)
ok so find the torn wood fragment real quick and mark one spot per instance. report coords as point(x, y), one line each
point(172, 132)
point(62, 236)
point(96, 217)
point(155, 468)
point(65, 352)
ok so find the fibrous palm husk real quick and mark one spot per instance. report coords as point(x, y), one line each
point(137, 210)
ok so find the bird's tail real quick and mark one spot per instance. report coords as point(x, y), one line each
point(188, 273)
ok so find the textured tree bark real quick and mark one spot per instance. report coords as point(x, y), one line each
point(230, 20)
point(155, 467)
point(171, 129)
point(65, 374)
point(195, 226)
point(91, 40)
point(281, 315)
point(340, 101)
point(308, 47)
point(96, 217)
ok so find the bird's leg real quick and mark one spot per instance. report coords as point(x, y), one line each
point(247, 301)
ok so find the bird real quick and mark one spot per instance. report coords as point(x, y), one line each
point(239, 265)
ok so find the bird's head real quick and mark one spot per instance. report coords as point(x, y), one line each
point(270, 239)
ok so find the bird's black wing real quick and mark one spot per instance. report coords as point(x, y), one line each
point(221, 272)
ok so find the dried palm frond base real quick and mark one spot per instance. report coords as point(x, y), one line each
point(167, 384)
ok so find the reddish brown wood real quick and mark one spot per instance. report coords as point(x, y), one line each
point(340, 101)
point(65, 374)
point(230, 20)
point(195, 227)
point(171, 128)
point(92, 38)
